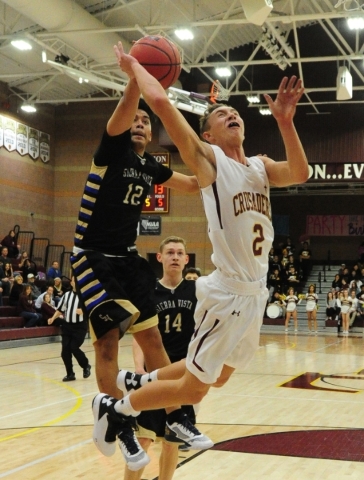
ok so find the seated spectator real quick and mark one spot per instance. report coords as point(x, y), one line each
point(35, 290)
point(336, 283)
point(39, 300)
point(192, 273)
point(276, 264)
point(344, 285)
point(16, 291)
point(54, 271)
point(270, 257)
point(47, 310)
point(57, 290)
point(346, 275)
point(341, 269)
point(292, 263)
point(305, 260)
point(22, 258)
point(354, 307)
point(27, 308)
point(292, 279)
point(28, 267)
point(285, 259)
point(354, 286)
point(289, 247)
point(10, 242)
point(5, 282)
point(8, 271)
point(275, 283)
point(4, 258)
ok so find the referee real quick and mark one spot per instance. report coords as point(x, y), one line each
point(74, 330)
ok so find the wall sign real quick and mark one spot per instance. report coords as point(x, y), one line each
point(335, 225)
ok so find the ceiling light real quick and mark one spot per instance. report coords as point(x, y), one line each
point(265, 111)
point(356, 23)
point(21, 44)
point(28, 107)
point(253, 98)
point(223, 71)
point(44, 56)
point(184, 34)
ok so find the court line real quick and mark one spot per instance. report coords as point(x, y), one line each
point(44, 459)
point(57, 419)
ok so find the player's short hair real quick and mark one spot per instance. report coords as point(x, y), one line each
point(172, 239)
point(142, 105)
point(195, 270)
point(204, 119)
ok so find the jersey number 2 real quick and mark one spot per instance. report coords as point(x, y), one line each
point(257, 248)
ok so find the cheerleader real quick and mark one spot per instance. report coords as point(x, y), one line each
point(311, 308)
point(291, 310)
point(344, 303)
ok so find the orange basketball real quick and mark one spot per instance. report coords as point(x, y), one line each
point(160, 57)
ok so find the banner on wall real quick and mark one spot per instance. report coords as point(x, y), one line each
point(16, 136)
point(336, 172)
point(335, 225)
point(33, 143)
point(9, 134)
point(22, 138)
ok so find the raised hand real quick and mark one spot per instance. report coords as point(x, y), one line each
point(290, 91)
point(125, 61)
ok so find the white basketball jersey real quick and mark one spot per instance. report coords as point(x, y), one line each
point(239, 217)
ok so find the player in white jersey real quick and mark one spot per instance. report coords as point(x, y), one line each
point(235, 191)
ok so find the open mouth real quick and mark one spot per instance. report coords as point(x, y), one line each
point(233, 124)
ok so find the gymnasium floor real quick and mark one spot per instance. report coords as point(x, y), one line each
point(297, 412)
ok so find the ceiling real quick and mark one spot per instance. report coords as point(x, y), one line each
point(316, 32)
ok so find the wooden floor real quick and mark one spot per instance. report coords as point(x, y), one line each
point(297, 412)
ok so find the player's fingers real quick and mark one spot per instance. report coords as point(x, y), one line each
point(268, 99)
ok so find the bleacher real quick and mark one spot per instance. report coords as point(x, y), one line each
point(42, 253)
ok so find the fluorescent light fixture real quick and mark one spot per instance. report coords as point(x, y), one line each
point(44, 56)
point(184, 34)
point(223, 71)
point(21, 44)
point(253, 98)
point(265, 111)
point(29, 108)
point(356, 23)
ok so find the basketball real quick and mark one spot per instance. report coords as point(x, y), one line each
point(160, 57)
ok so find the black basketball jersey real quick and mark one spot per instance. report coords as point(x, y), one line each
point(175, 310)
point(114, 194)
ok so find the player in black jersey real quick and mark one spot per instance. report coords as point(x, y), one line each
point(176, 300)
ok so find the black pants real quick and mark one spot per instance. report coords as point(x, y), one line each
point(73, 337)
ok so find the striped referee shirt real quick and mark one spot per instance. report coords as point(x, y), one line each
point(68, 305)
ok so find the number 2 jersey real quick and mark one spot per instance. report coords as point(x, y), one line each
point(176, 323)
point(114, 195)
point(238, 211)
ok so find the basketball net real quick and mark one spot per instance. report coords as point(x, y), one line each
point(218, 92)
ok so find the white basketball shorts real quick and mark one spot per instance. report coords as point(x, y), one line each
point(228, 315)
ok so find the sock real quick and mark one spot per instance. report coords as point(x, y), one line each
point(174, 416)
point(124, 406)
point(148, 377)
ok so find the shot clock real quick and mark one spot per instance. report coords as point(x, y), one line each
point(157, 200)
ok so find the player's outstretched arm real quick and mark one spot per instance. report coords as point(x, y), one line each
point(124, 113)
point(197, 155)
point(295, 169)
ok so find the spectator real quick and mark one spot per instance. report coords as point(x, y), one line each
point(355, 286)
point(39, 300)
point(35, 290)
point(345, 275)
point(28, 267)
point(336, 283)
point(10, 242)
point(289, 247)
point(27, 308)
point(23, 257)
point(360, 297)
point(332, 310)
point(305, 260)
point(16, 291)
point(311, 308)
point(54, 271)
point(4, 258)
point(6, 283)
point(275, 283)
point(344, 284)
point(74, 329)
point(57, 290)
point(276, 264)
point(285, 259)
point(192, 273)
point(48, 310)
point(292, 279)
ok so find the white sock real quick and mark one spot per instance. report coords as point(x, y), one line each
point(124, 406)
